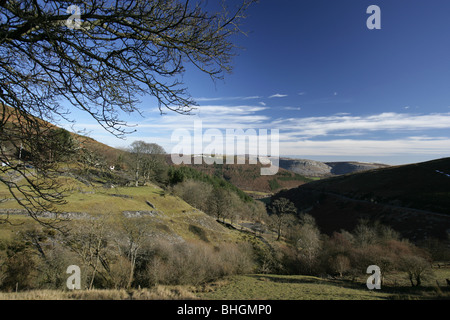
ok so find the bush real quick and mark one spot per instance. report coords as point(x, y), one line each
point(19, 268)
point(196, 193)
point(196, 263)
point(52, 270)
point(344, 253)
point(119, 272)
point(416, 267)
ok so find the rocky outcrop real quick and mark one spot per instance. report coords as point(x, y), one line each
point(312, 168)
point(309, 168)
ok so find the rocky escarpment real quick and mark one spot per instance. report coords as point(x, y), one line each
point(312, 168)
point(309, 168)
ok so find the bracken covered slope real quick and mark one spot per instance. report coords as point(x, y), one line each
point(413, 199)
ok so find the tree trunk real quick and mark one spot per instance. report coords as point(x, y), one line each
point(94, 271)
point(411, 280)
point(133, 255)
point(279, 230)
point(418, 281)
point(137, 173)
point(137, 178)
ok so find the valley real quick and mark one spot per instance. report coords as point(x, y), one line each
point(135, 220)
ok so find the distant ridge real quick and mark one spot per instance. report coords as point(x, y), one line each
point(313, 168)
point(414, 199)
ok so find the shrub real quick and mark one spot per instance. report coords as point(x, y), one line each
point(119, 272)
point(196, 193)
point(19, 267)
point(195, 263)
point(340, 264)
point(52, 270)
point(416, 267)
point(373, 244)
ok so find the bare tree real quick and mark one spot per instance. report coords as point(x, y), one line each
point(134, 237)
point(146, 158)
point(309, 244)
point(417, 269)
point(219, 203)
point(89, 240)
point(365, 234)
point(196, 193)
point(117, 52)
point(340, 264)
point(281, 209)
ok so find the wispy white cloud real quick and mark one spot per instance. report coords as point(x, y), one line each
point(383, 134)
point(233, 110)
point(350, 147)
point(278, 95)
point(337, 124)
point(251, 97)
point(299, 128)
point(204, 99)
point(212, 116)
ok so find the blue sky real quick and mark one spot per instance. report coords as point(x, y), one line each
point(333, 88)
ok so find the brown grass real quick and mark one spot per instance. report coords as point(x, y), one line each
point(155, 293)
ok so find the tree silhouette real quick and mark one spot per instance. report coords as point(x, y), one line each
point(281, 209)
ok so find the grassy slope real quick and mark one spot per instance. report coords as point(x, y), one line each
point(281, 287)
point(248, 287)
point(262, 287)
point(174, 216)
point(297, 287)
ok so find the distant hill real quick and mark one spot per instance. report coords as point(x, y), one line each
point(291, 173)
point(248, 177)
point(413, 199)
point(312, 168)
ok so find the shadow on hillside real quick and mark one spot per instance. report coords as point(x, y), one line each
point(397, 292)
point(306, 280)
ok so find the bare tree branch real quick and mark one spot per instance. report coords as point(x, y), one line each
point(123, 50)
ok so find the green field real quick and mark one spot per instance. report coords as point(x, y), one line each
point(298, 287)
point(281, 287)
point(258, 287)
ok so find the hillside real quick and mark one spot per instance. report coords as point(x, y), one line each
point(21, 130)
point(312, 168)
point(413, 199)
point(93, 189)
point(339, 168)
point(109, 154)
point(169, 217)
point(248, 177)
